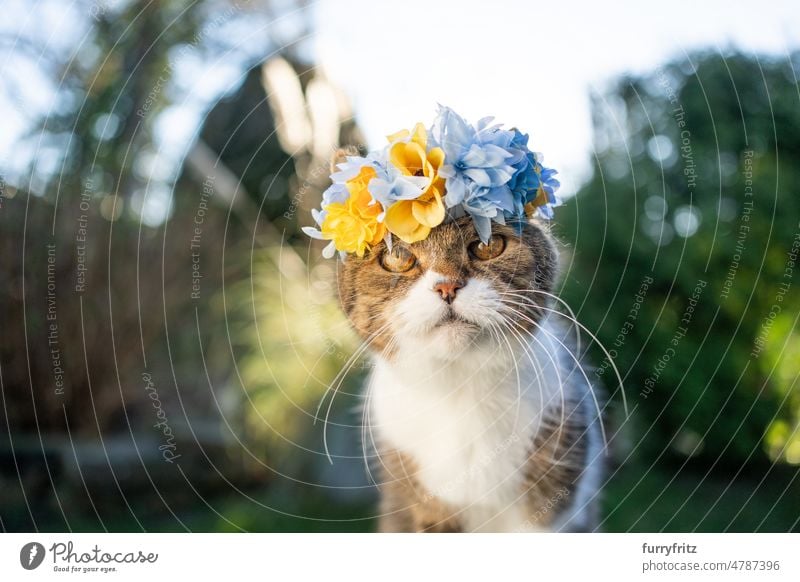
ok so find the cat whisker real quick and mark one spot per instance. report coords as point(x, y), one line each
point(559, 300)
point(337, 382)
point(559, 433)
point(562, 423)
point(360, 349)
point(516, 371)
point(620, 385)
point(518, 309)
point(537, 366)
point(366, 428)
point(578, 366)
point(368, 421)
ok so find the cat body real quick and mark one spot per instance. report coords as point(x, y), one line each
point(478, 413)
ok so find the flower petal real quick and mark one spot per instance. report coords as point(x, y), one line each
point(329, 250)
point(401, 222)
point(484, 227)
point(420, 135)
point(313, 232)
point(398, 136)
point(429, 213)
point(456, 191)
point(436, 157)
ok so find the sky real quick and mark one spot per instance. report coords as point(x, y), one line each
point(531, 65)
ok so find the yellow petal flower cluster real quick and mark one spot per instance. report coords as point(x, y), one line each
point(412, 220)
point(353, 225)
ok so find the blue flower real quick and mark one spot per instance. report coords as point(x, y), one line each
point(544, 197)
point(473, 155)
point(478, 166)
point(525, 181)
point(485, 205)
point(351, 166)
point(547, 180)
point(391, 185)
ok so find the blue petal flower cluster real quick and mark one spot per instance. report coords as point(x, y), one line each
point(490, 173)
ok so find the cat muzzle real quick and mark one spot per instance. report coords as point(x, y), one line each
point(447, 290)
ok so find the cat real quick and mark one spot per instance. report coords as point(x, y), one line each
point(479, 414)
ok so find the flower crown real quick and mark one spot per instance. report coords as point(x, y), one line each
point(427, 176)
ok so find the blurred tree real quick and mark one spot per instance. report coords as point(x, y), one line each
point(157, 180)
point(695, 187)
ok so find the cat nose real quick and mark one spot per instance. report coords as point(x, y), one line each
point(448, 289)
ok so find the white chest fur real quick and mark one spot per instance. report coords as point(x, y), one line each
point(468, 424)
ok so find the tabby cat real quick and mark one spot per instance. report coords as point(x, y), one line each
point(479, 414)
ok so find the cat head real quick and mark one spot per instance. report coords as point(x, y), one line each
point(449, 292)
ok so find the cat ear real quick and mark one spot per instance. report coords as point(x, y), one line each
point(340, 156)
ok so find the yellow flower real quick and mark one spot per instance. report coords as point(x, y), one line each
point(412, 220)
point(353, 225)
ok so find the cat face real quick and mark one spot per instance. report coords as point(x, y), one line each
point(449, 292)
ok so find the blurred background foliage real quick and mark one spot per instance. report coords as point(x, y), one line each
point(157, 115)
point(674, 152)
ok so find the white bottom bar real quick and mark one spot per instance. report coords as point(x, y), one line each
point(401, 557)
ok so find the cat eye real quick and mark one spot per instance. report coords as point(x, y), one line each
point(484, 252)
point(398, 260)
